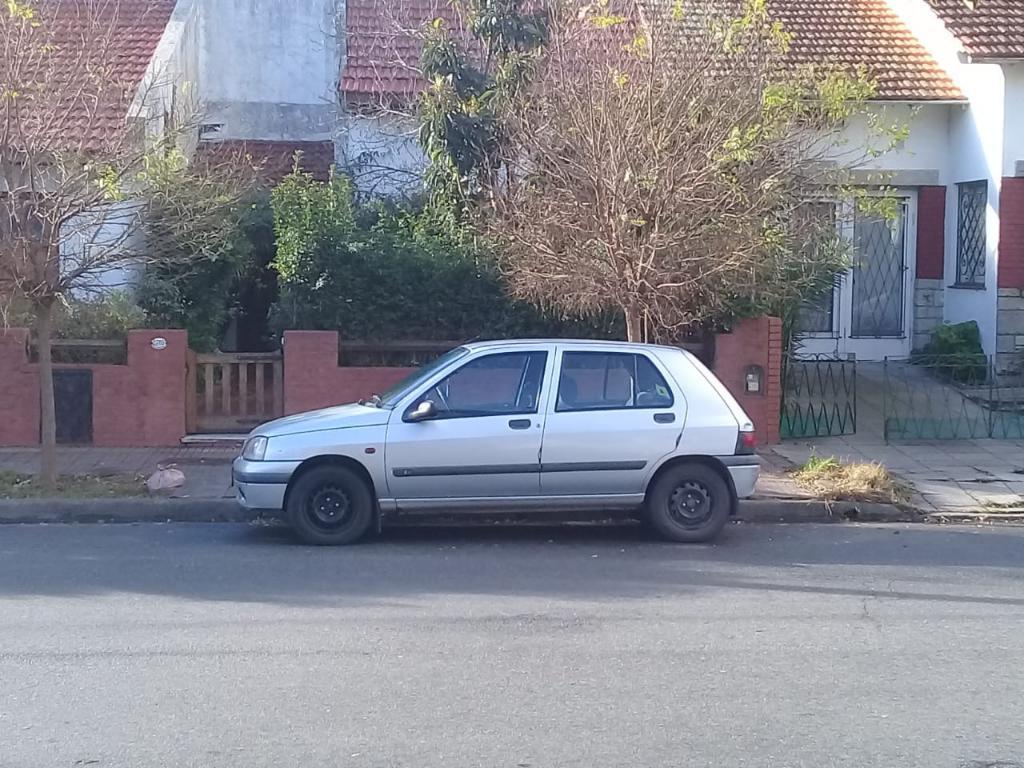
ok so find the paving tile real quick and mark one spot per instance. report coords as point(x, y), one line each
point(951, 499)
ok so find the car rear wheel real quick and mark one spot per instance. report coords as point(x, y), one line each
point(689, 503)
point(330, 505)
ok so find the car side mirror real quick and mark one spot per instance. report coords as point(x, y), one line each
point(422, 412)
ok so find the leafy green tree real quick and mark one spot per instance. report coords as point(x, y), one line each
point(470, 88)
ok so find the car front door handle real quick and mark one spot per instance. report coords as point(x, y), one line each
point(664, 418)
point(519, 424)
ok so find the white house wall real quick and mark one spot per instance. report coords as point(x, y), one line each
point(269, 68)
point(381, 153)
point(976, 154)
point(105, 245)
point(922, 159)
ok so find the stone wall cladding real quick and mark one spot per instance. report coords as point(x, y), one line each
point(929, 298)
point(1010, 332)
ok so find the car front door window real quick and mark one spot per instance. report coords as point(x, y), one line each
point(495, 385)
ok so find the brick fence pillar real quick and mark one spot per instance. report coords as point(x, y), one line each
point(19, 390)
point(310, 370)
point(160, 377)
point(142, 403)
point(754, 344)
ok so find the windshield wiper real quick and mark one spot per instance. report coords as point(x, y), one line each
point(375, 400)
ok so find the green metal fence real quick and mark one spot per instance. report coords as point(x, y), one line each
point(819, 397)
point(950, 397)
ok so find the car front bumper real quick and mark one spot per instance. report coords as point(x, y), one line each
point(261, 485)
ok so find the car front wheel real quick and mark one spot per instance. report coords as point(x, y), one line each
point(689, 503)
point(330, 505)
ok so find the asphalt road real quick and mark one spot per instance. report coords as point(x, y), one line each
point(226, 645)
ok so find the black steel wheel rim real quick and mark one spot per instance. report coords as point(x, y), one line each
point(691, 504)
point(329, 507)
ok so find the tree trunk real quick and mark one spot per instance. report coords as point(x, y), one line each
point(47, 407)
point(634, 325)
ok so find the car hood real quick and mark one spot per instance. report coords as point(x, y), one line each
point(338, 417)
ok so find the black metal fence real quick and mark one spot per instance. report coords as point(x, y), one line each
point(949, 397)
point(819, 397)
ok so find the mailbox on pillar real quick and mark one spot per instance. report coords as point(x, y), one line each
point(753, 380)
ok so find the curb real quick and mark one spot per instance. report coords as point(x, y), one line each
point(816, 511)
point(228, 511)
point(123, 511)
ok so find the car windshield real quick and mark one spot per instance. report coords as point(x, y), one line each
point(390, 398)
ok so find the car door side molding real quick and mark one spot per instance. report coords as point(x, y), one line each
point(516, 469)
point(594, 466)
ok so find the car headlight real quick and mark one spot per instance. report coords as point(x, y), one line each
point(255, 448)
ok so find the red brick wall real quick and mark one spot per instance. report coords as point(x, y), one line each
point(931, 232)
point(313, 378)
point(1011, 233)
point(755, 341)
point(19, 390)
point(141, 403)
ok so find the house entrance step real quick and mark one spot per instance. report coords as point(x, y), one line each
point(221, 438)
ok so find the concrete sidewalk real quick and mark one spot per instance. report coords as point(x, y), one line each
point(946, 475)
point(207, 469)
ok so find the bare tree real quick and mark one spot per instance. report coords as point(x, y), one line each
point(659, 162)
point(91, 157)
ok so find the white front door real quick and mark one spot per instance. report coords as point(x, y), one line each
point(870, 312)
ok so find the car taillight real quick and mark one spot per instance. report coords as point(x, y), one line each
point(746, 441)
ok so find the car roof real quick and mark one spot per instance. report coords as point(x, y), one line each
point(589, 343)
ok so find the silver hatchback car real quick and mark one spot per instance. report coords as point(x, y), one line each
point(514, 426)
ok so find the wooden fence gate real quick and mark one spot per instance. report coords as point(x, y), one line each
point(234, 392)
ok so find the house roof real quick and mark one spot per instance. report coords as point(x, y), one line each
point(89, 43)
point(988, 29)
point(865, 33)
point(273, 159)
point(384, 46)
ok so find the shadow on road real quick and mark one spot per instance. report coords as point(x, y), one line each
point(576, 562)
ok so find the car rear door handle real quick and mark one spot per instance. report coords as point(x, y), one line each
point(519, 424)
point(664, 418)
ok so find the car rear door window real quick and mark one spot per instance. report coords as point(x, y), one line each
point(590, 381)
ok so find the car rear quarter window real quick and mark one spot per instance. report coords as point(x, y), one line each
point(590, 381)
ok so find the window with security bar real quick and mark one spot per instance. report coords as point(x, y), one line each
point(970, 234)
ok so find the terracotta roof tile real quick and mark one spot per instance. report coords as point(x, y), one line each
point(992, 29)
point(384, 48)
point(384, 45)
point(274, 159)
point(865, 33)
point(113, 41)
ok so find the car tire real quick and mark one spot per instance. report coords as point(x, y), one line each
point(689, 503)
point(330, 505)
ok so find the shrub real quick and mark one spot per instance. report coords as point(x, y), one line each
point(203, 295)
point(108, 317)
point(380, 272)
point(955, 353)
